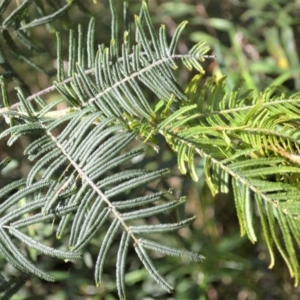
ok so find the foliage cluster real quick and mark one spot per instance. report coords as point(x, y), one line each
point(113, 113)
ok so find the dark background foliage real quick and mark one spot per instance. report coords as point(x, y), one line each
point(253, 39)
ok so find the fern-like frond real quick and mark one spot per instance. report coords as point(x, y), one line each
point(91, 211)
point(84, 148)
point(251, 145)
point(116, 89)
point(91, 152)
point(80, 155)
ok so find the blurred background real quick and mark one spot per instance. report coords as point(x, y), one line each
point(254, 40)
